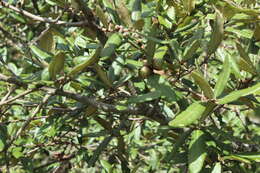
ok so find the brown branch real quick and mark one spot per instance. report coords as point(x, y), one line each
point(104, 106)
point(37, 109)
point(89, 20)
point(18, 96)
point(22, 120)
point(91, 101)
point(12, 80)
point(42, 19)
point(11, 90)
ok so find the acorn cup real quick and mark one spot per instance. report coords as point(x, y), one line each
point(144, 72)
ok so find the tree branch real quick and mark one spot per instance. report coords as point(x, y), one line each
point(100, 105)
point(42, 19)
point(12, 80)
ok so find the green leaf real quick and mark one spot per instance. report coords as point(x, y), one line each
point(235, 67)
point(102, 16)
point(223, 77)
point(90, 61)
point(111, 11)
point(3, 137)
point(203, 84)
point(105, 164)
point(112, 43)
point(102, 146)
point(165, 22)
point(238, 158)
point(189, 5)
point(189, 116)
point(217, 33)
point(124, 13)
point(56, 65)
point(160, 52)
point(47, 42)
point(244, 62)
point(145, 97)
point(191, 50)
point(217, 168)
point(160, 84)
point(18, 17)
point(17, 152)
point(253, 156)
point(116, 68)
point(136, 10)
point(197, 151)
point(40, 53)
point(60, 3)
point(240, 32)
point(233, 96)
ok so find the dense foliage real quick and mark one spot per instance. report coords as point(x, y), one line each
point(129, 86)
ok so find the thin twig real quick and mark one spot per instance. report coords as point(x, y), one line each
point(18, 96)
point(12, 80)
point(37, 109)
point(42, 19)
point(11, 90)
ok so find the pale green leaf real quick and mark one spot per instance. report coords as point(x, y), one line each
point(189, 116)
point(145, 97)
point(217, 168)
point(233, 96)
point(223, 77)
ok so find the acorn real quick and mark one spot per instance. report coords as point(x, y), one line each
point(145, 71)
point(158, 63)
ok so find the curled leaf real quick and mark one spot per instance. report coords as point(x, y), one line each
point(77, 69)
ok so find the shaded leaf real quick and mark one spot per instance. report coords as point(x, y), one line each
point(102, 75)
point(47, 42)
point(203, 84)
point(160, 84)
point(102, 16)
point(3, 137)
point(136, 10)
point(56, 65)
point(217, 33)
point(244, 62)
point(189, 5)
point(197, 151)
point(112, 43)
point(124, 13)
point(102, 146)
point(191, 50)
